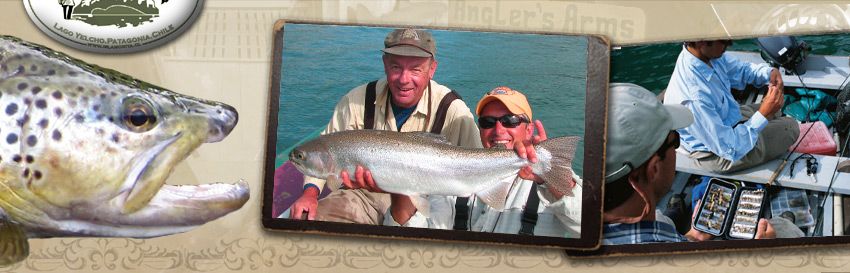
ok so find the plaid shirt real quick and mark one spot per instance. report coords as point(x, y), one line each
point(639, 233)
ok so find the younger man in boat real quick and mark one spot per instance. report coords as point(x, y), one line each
point(504, 119)
point(725, 136)
point(640, 166)
point(406, 100)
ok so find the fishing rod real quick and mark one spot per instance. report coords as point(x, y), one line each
point(785, 160)
point(819, 217)
point(819, 222)
point(785, 52)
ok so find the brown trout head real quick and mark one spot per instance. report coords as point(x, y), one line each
point(85, 151)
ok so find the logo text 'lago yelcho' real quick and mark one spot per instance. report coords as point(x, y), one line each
point(113, 26)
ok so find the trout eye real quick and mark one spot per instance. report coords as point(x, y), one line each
point(299, 155)
point(138, 115)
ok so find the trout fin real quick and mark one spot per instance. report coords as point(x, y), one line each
point(14, 247)
point(334, 182)
point(560, 176)
point(495, 197)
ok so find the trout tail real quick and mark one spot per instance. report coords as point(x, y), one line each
point(559, 172)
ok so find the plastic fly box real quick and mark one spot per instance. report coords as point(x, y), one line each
point(729, 209)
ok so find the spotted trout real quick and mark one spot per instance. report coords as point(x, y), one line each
point(85, 151)
point(421, 163)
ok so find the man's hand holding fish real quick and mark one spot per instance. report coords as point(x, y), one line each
point(406, 100)
point(543, 185)
point(403, 206)
point(527, 148)
point(497, 184)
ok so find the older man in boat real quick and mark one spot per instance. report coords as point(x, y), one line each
point(725, 136)
point(532, 208)
point(640, 166)
point(406, 100)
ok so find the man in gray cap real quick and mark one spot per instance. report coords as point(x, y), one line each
point(406, 100)
point(640, 165)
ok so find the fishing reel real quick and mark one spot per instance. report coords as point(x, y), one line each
point(785, 52)
point(811, 165)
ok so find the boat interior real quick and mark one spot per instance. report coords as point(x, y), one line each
point(816, 199)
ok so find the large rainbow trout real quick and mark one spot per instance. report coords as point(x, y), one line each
point(421, 163)
point(85, 151)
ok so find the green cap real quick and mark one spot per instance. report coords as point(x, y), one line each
point(410, 42)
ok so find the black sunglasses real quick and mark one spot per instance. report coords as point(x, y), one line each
point(673, 143)
point(667, 144)
point(508, 121)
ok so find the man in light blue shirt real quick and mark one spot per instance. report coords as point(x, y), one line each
point(726, 136)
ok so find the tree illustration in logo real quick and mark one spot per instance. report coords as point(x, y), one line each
point(120, 13)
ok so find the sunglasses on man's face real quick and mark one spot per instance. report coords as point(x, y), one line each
point(508, 121)
point(673, 143)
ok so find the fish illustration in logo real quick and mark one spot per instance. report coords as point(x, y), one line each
point(120, 13)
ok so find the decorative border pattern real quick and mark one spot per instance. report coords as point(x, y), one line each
point(322, 252)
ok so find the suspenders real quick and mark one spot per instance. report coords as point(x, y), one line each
point(369, 112)
point(529, 214)
point(439, 118)
point(461, 213)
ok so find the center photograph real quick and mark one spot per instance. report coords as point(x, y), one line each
point(436, 134)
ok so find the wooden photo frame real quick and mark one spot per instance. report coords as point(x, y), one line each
point(315, 64)
point(820, 216)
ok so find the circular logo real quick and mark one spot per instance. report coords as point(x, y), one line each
point(113, 26)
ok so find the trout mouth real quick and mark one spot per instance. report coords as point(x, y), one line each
point(298, 158)
point(148, 174)
point(166, 209)
point(174, 209)
point(151, 208)
point(147, 207)
point(141, 186)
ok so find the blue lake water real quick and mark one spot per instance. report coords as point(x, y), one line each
point(650, 66)
point(321, 63)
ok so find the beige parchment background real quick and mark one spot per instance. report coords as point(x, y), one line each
point(225, 56)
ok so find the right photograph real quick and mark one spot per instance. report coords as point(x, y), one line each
point(732, 143)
